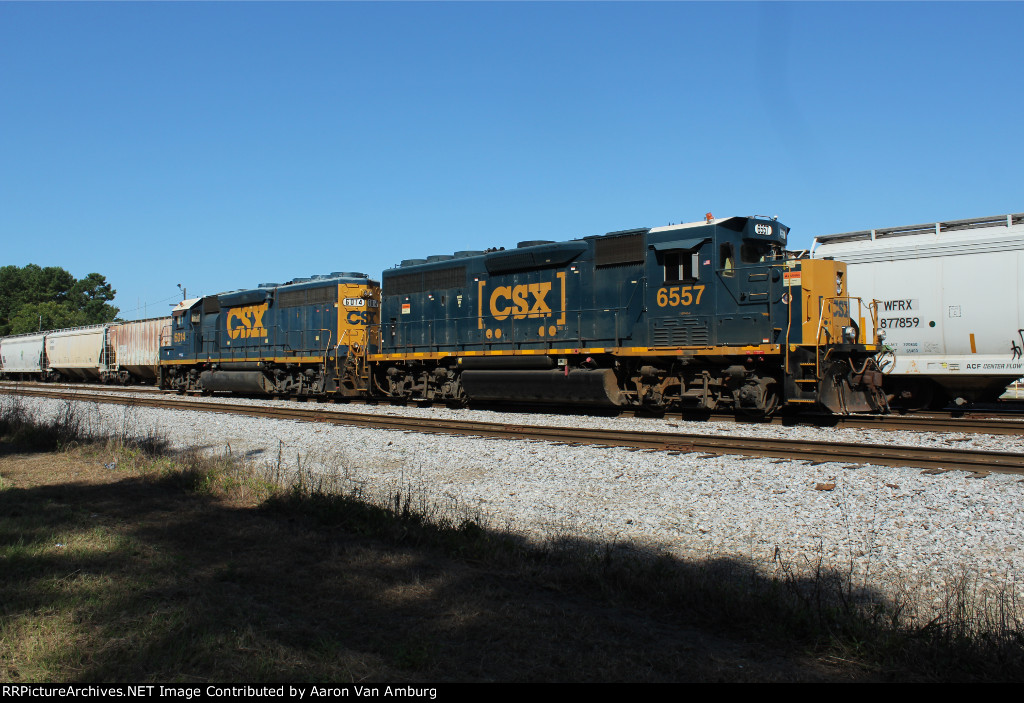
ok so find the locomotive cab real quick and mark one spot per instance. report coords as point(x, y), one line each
point(769, 331)
point(715, 288)
point(184, 331)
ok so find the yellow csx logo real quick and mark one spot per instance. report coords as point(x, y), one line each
point(243, 323)
point(515, 301)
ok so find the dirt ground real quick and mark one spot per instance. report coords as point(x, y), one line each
point(108, 575)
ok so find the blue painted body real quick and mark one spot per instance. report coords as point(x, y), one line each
point(693, 285)
point(294, 339)
point(299, 319)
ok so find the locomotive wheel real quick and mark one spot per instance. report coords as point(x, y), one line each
point(771, 405)
point(649, 410)
point(769, 400)
point(654, 408)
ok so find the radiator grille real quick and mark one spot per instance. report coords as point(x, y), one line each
point(426, 281)
point(614, 251)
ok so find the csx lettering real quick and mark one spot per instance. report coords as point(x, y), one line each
point(247, 322)
point(359, 317)
point(514, 300)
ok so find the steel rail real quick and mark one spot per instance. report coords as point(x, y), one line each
point(916, 423)
point(813, 451)
point(992, 422)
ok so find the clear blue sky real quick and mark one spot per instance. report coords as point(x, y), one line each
point(224, 145)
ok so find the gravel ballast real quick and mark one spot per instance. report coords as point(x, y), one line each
point(894, 528)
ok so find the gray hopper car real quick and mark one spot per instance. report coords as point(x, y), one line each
point(950, 302)
point(116, 352)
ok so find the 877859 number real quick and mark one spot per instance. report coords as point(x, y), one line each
point(679, 295)
point(892, 322)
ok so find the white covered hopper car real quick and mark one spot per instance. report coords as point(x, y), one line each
point(950, 303)
point(122, 352)
point(22, 357)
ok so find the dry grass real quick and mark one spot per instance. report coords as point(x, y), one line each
point(119, 562)
point(113, 574)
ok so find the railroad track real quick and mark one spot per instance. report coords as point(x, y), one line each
point(935, 422)
point(677, 443)
point(987, 421)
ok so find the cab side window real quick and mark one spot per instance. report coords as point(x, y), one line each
point(726, 259)
point(681, 266)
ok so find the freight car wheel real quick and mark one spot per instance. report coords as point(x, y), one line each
point(916, 394)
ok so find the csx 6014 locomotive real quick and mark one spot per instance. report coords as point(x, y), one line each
point(309, 337)
point(707, 315)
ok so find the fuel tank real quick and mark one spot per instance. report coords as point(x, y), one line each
point(544, 386)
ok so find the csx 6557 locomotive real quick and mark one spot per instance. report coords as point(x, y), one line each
point(707, 315)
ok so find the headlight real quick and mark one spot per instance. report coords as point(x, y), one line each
point(881, 335)
point(850, 334)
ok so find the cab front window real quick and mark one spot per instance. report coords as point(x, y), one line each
point(754, 252)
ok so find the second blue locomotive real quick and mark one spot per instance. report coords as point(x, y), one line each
point(706, 315)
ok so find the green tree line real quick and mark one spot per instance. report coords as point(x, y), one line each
point(33, 298)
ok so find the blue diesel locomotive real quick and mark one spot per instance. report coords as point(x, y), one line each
point(707, 315)
point(308, 337)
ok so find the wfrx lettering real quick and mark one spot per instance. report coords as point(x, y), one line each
point(901, 304)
